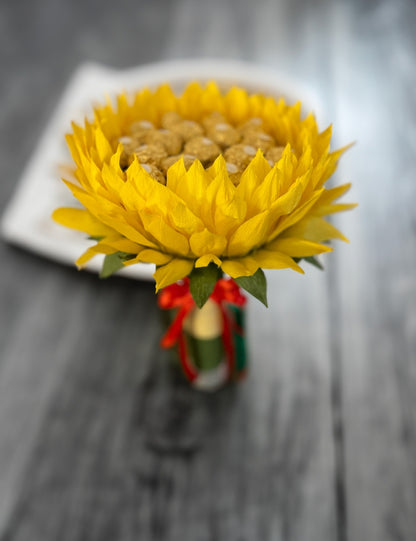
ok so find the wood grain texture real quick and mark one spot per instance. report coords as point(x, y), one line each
point(126, 450)
point(100, 437)
point(376, 283)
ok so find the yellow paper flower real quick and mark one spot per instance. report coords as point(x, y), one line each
point(265, 215)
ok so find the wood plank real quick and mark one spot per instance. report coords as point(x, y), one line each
point(375, 282)
point(126, 450)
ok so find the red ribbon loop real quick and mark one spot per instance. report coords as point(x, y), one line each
point(178, 296)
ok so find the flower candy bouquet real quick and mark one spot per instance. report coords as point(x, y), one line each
point(212, 188)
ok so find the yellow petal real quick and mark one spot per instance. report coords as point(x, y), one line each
point(218, 194)
point(194, 188)
point(82, 220)
point(182, 219)
point(155, 198)
point(115, 161)
point(121, 244)
point(205, 260)
point(95, 203)
point(131, 233)
point(205, 242)
point(130, 198)
point(249, 235)
point(268, 259)
point(287, 165)
point(90, 178)
point(172, 272)
point(113, 182)
point(243, 266)
point(253, 176)
point(324, 205)
point(166, 236)
point(297, 247)
point(144, 184)
point(267, 193)
point(175, 176)
point(295, 216)
point(324, 210)
point(104, 149)
point(189, 186)
point(287, 202)
point(328, 196)
point(166, 98)
point(74, 147)
point(85, 257)
point(315, 229)
point(151, 256)
point(237, 105)
point(333, 162)
point(228, 217)
point(212, 99)
point(190, 101)
point(93, 251)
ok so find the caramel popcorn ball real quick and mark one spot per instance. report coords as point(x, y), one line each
point(204, 149)
point(240, 155)
point(157, 147)
point(188, 160)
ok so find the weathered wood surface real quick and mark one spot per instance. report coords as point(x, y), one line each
point(99, 438)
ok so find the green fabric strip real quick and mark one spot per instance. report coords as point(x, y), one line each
point(206, 354)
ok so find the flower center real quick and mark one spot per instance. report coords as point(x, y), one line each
point(160, 147)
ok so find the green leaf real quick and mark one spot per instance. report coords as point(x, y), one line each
point(310, 259)
point(113, 263)
point(256, 285)
point(202, 283)
point(313, 261)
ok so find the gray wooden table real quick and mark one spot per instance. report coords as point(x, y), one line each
point(98, 438)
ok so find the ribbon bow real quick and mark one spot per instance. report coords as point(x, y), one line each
point(178, 296)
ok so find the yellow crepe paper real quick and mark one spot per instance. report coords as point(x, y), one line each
point(275, 214)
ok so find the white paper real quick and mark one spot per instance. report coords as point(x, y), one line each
point(27, 220)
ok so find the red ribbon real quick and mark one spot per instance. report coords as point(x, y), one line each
point(178, 296)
